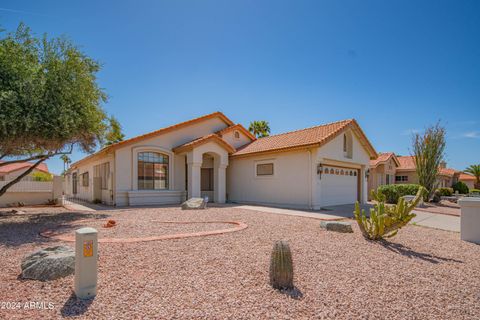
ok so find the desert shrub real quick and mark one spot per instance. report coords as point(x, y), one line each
point(393, 192)
point(445, 192)
point(385, 221)
point(461, 187)
point(436, 197)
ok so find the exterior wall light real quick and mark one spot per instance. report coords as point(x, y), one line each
point(367, 173)
point(320, 170)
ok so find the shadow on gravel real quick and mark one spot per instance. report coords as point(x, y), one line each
point(294, 293)
point(408, 252)
point(74, 307)
point(19, 229)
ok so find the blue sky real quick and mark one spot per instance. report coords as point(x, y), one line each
point(395, 66)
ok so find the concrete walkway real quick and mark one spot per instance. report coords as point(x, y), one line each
point(292, 212)
point(437, 221)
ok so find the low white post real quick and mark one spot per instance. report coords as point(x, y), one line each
point(86, 251)
point(470, 219)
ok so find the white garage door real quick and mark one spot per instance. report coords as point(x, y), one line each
point(338, 186)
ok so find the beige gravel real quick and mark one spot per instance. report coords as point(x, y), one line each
point(422, 274)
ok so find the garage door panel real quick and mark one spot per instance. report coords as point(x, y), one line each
point(337, 189)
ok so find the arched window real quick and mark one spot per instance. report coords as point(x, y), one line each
point(152, 171)
point(237, 135)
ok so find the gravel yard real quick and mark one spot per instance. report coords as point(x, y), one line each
point(421, 274)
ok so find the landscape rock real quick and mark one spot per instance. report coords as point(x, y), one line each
point(337, 226)
point(49, 264)
point(194, 204)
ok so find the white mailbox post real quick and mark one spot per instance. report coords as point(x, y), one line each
point(86, 251)
point(470, 219)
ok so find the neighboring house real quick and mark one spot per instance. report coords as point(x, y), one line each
point(11, 171)
point(468, 179)
point(382, 170)
point(211, 156)
point(391, 169)
point(27, 190)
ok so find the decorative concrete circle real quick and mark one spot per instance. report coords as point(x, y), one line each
point(238, 226)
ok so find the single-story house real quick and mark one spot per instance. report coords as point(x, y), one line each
point(212, 156)
point(389, 168)
point(11, 171)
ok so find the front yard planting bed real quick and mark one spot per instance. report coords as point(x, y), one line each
point(421, 273)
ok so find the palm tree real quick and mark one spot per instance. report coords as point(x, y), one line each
point(66, 161)
point(475, 170)
point(259, 129)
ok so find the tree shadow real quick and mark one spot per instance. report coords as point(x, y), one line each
point(409, 253)
point(74, 306)
point(16, 230)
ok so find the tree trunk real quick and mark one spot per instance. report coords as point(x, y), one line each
point(17, 179)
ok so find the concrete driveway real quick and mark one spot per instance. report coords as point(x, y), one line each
point(423, 218)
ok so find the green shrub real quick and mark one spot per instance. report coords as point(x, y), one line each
point(461, 187)
point(475, 191)
point(393, 192)
point(445, 192)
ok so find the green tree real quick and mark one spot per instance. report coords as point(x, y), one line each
point(474, 169)
point(114, 133)
point(259, 129)
point(50, 101)
point(428, 151)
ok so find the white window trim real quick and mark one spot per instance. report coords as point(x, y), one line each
point(147, 148)
point(265, 161)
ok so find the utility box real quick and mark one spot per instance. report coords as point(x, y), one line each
point(86, 254)
point(470, 219)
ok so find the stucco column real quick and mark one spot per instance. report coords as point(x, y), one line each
point(194, 180)
point(220, 183)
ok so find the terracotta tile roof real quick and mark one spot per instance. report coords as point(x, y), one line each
point(383, 157)
point(466, 177)
point(157, 132)
point(22, 165)
point(239, 127)
point(447, 172)
point(314, 136)
point(197, 142)
point(406, 163)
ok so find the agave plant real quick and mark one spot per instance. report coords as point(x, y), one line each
point(385, 221)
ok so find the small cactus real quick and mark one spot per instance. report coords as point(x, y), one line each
point(281, 266)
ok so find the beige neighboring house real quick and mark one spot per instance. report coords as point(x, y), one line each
point(391, 169)
point(212, 156)
point(11, 171)
point(27, 190)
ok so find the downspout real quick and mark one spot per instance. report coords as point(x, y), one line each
point(310, 199)
point(114, 179)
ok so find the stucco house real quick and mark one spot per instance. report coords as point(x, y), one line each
point(391, 169)
point(13, 170)
point(212, 156)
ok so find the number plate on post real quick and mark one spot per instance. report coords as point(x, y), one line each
point(88, 248)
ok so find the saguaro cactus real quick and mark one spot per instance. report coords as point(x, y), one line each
point(281, 266)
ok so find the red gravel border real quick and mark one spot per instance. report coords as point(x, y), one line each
point(70, 238)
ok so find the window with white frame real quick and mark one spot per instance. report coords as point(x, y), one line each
point(152, 171)
point(85, 179)
point(264, 169)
